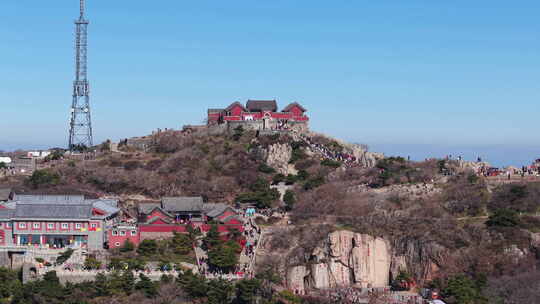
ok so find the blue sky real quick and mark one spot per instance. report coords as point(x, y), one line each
point(409, 77)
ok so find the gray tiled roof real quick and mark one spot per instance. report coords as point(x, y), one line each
point(152, 220)
point(213, 210)
point(228, 218)
point(63, 199)
point(105, 206)
point(9, 205)
point(182, 204)
point(109, 201)
point(292, 105)
point(232, 105)
point(108, 205)
point(146, 208)
point(213, 111)
point(53, 211)
point(6, 214)
point(261, 105)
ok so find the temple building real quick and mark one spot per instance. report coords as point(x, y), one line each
point(55, 221)
point(260, 115)
point(175, 214)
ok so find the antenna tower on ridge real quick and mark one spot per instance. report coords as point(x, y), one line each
point(80, 131)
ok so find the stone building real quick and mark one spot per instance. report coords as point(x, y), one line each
point(23, 165)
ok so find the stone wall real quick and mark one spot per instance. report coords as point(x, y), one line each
point(155, 235)
point(259, 125)
point(5, 261)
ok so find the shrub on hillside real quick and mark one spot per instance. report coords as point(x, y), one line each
point(503, 218)
point(314, 182)
point(261, 194)
point(291, 179)
point(298, 152)
point(278, 178)
point(238, 133)
point(42, 178)
point(224, 256)
point(128, 246)
point(132, 165)
point(518, 197)
point(264, 168)
point(289, 199)
point(147, 248)
point(465, 195)
point(64, 256)
point(330, 163)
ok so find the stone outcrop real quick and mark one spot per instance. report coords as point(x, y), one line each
point(344, 259)
point(474, 166)
point(348, 259)
point(411, 191)
point(366, 158)
point(278, 156)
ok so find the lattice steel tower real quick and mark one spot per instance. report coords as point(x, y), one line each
point(80, 131)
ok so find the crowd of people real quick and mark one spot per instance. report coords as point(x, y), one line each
point(350, 295)
point(346, 158)
point(251, 237)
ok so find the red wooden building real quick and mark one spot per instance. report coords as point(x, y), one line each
point(175, 214)
point(119, 234)
point(258, 110)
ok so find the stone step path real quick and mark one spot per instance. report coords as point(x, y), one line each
point(246, 261)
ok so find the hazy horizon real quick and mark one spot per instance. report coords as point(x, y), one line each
point(412, 78)
point(496, 155)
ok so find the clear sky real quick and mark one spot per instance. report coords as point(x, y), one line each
point(406, 77)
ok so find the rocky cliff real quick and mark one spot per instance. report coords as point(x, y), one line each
point(344, 259)
point(278, 156)
point(353, 259)
point(366, 158)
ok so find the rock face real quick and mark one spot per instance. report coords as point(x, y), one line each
point(278, 156)
point(344, 259)
point(475, 166)
point(414, 191)
point(366, 158)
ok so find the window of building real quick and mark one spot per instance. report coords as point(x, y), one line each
point(36, 225)
point(133, 232)
point(122, 232)
point(117, 244)
point(50, 225)
point(78, 226)
point(65, 226)
point(8, 225)
point(22, 225)
point(93, 225)
point(0, 225)
point(114, 232)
